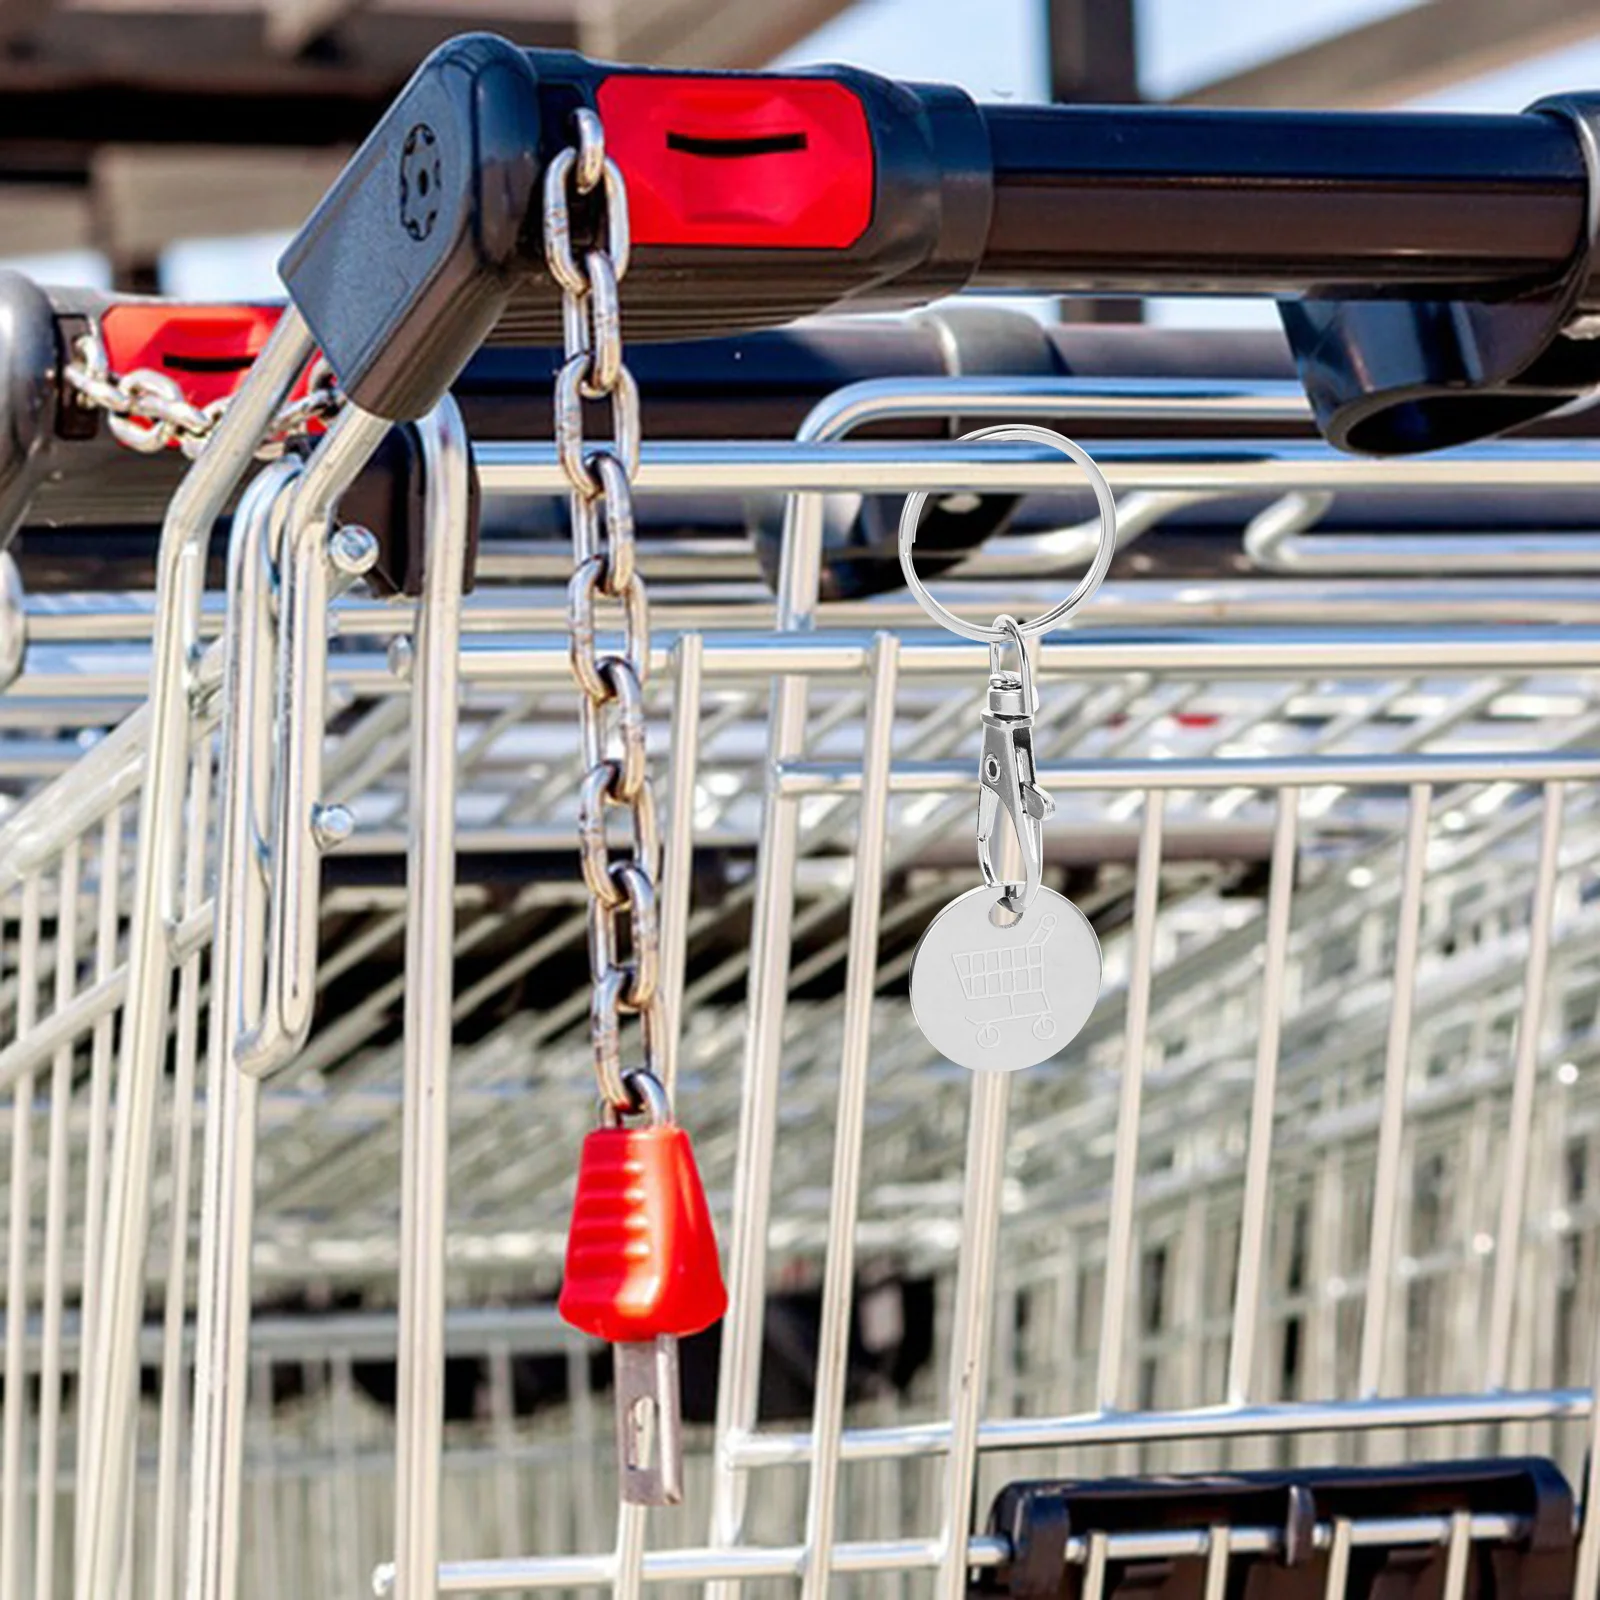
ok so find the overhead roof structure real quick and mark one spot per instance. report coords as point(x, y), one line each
point(125, 124)
point(128, 124)
point(1418, 51)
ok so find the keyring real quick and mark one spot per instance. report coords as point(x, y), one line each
point(1030, 433)
point(1008, 973)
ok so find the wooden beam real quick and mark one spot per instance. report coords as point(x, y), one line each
point(146, 198)
point(294, 25)
point(20, 19)
point(131, 74)
point(42, 219)
point(1094, 60)
point(223, 48)
point(704, 33)
point(1415, 52)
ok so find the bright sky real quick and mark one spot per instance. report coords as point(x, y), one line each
point(995, 49)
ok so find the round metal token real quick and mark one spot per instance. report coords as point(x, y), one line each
point(1001, 999)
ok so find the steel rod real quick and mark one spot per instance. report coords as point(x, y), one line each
point(430, 980)
point(103, 1499)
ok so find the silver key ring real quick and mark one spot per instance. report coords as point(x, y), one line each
point(1029, 433)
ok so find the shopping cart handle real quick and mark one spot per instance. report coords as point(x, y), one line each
point(1462, 242)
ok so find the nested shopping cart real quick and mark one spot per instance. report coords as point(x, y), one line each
point(1283, 1273)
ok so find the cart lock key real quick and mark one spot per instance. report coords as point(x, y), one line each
point(642, 1272)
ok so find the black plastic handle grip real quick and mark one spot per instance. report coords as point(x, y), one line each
point(757, 199)
point(1168, 200)
point(409, 260)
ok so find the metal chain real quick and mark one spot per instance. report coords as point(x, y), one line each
point(612, 714)
point(147, 410)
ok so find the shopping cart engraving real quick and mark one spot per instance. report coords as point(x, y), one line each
point(1024, 991)
point(1007, 985)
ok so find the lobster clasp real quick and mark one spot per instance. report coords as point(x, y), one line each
point(1006, 780)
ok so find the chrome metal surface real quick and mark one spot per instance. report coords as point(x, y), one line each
point(294, 847)
point(649, 1423)
point(1338, 842)
point(1281, 538)
point(104, 1504)
point(611, 712)
point(238, 947)
point(1008, 780)
point(13, 621)
point(1209, 469)
point(1021, 991)
point(430, 984)
point(624, 918)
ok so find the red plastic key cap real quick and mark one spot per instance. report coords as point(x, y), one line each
point(641, 1253)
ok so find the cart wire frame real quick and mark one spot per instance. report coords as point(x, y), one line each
point(1396, 987)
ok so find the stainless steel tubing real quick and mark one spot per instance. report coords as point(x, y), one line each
point(1279, 539)
point(262, 940)
point(430, 980)
point(294, 845)
point(223, 1296)
point(1268, 467)
point(101, 1512)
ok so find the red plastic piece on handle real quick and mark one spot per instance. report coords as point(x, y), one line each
point(753, 163)
point(207, 350)
point(641, 1253)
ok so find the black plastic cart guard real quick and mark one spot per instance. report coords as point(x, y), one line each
point(1037, 1520)
point(757, 198)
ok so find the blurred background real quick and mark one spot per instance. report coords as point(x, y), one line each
point(175, 144)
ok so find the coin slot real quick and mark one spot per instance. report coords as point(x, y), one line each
point(772, 144)
point(173, 362)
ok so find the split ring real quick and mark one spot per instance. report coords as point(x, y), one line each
point(1030, 433)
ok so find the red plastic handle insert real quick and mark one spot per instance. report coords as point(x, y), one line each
point(206, 349)
point(752, 163)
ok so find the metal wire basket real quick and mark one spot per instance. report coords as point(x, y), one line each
point(1315, 1185)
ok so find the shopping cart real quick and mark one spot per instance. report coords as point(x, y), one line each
point(1309, 1203)
point(1007, 985)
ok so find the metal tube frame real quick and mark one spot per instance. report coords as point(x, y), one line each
point(223, 1297)
point(430, 973)
point(110, 1383)
point(800, 656)
point(265, 939)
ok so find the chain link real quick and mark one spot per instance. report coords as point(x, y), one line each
point(147, 410)
point(612, 712)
